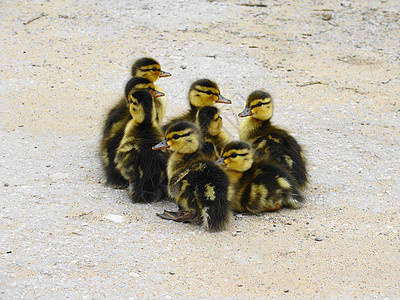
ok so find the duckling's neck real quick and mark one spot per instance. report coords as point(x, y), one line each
point(178, 161)
point(250, 125)
point(131, 125)
point(142, 128)
point(223, 137)
point(193, 111)
point(234, 176)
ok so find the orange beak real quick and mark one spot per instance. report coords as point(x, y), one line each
point(162, 145)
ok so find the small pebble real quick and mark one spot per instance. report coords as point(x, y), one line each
point(326, 16)
point(6, 184)
point(318, 239)
point(115, 218)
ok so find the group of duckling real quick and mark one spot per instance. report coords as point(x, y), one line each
point(191, 160)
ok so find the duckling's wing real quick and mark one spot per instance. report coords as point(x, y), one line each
point(117, 113)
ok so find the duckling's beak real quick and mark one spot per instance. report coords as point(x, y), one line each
point(165, 74)
point(220, 161)
point(161, 145)
point(247, 112)
point(222, 99)
point(158, 94)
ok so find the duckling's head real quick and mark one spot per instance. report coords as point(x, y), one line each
point(148, 68)
point(182, 137)
point(141, 107)
point(209, 120)
point(205, 92)
point(138, 83)
point(259, 105)
point(236, 156)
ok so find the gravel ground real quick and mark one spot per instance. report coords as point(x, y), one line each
point(333, 69)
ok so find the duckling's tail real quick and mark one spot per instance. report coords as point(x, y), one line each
point(215, 217)
point(296, 199)
point(213, 204)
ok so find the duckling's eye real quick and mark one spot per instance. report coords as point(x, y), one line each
point(208, 92)
point(177, 136)
point(152, 69)
point(257, 105)
point(234, 155)
point(150, 89)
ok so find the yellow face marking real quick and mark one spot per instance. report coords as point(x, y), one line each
point(150, 72)
point(262, 109)
point(174, 135)
point(207, 90)
point(238, 159)
point(142, 86)
point(203, 96)
point(136, 109)
point(184, 141)
point(215, 125)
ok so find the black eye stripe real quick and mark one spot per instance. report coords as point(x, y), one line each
point(260, 104)
point(233, 155)
point(177, 136)
point(152, 69)
point(206, 92)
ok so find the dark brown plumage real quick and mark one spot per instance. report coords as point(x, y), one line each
point(270, 141)
point(195, 182)
point(256, 185)
point(113, 131)
point(214, 138)
point(144, 169)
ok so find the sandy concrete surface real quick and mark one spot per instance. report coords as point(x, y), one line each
point(333, 68)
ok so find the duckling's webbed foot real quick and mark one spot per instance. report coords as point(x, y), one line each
point(277, 206)
point(178, 216)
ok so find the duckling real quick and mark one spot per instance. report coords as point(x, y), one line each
point(147, 68)
point(214, 138)
point(143, 168)
point(203, 92)
point(269, 140)
point(256, 185)
point(120, 111)
point(196, 183)
point(113, 131)
point(150, 69)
